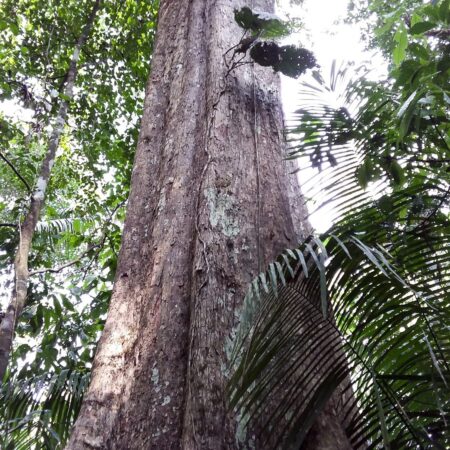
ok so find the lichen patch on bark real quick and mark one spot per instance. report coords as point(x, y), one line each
point(221, 206)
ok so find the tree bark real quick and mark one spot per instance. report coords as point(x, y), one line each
point(26, 229)
point(209, 208)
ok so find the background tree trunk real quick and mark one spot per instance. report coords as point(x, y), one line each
point(209, 208)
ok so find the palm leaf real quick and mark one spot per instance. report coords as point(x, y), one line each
point(279, 352)
point(38, 412)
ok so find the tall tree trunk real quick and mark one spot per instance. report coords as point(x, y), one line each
point(26, 229)
point(209, 207)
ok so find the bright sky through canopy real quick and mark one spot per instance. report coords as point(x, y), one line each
point(326, 34)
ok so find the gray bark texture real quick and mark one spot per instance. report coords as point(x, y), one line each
point(26, 229)
point(210, 206)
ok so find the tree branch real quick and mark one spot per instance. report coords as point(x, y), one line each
point(12, 225)
point(429, 161)
point(427, 220)
point(64, 266)
point(10, 164)
point(440, 34)
point(101, 244)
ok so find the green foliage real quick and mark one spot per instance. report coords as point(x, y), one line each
point(287, 59)
point(365, 304)
point(383, 322)
point(387, 23)
point(266, 54)
point(74, 251)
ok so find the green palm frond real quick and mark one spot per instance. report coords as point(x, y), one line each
point(64, 235)
point(64, 225)
point(322, 132)
point(390, 342)
point(38, 412)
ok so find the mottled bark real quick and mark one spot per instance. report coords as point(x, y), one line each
point(26, 229)
point(209, 208)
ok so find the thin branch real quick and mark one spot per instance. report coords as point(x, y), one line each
point(12, 225)
point(113, 212)
point(101, 244)
point(440, 34)
point(111, 243)
point(94, 258)
point(64, 266)
point(427, 219)
point(429, 161)
point(438, 131)
point(10, 164)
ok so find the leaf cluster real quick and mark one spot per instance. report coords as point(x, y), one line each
point(288, 59)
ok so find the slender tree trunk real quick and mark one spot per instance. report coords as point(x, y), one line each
point(209, 208)
point(26, 229)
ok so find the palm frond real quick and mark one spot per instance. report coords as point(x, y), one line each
point(38, 412)
point(389, 343)
point(60, 225)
